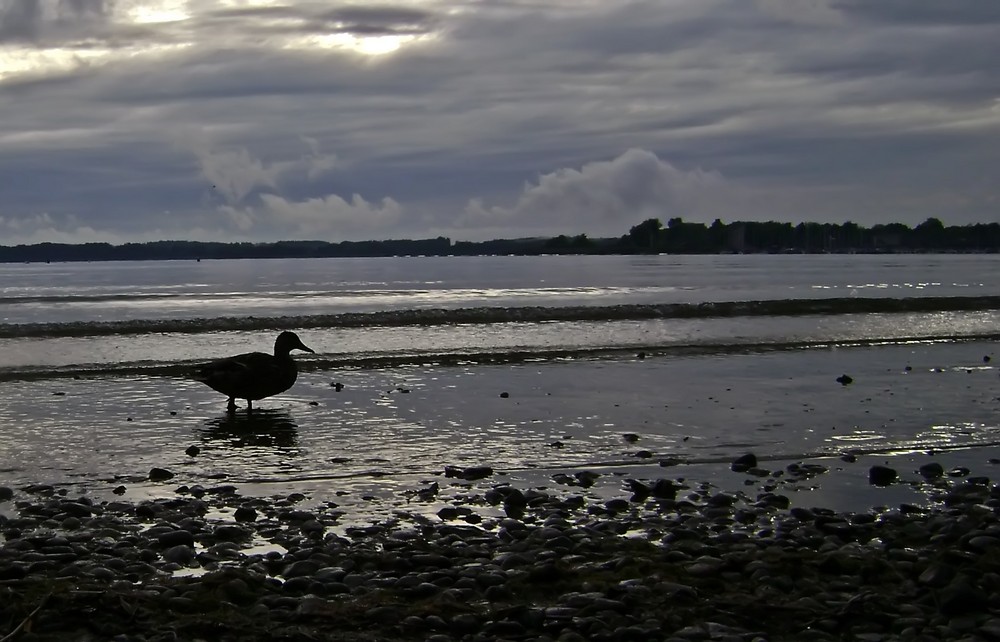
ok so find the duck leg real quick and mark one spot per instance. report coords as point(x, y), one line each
point(249, 405)
point(232, 404)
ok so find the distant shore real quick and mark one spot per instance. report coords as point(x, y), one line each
point(648, 237)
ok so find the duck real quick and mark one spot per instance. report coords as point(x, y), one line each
point(254, 375)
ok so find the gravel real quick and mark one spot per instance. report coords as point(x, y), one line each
point(511, 563)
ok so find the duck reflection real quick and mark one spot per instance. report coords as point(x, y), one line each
point(267, 428)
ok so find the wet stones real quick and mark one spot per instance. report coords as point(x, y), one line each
point(160, 474)
point(172, 538)
point(881, 475)
point(583, 478)
point(585, 565)
point(931, 471)
point(664, 489)
point(471, 473)
point(245, 514)
point(181, 554)
point(744, 463)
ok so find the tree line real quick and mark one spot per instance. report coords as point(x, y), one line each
point(650, 236)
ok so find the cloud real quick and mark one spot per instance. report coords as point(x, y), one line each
point(602, 198)
point(44, 228)
point(235, 173)
point(461, 115)
point(329, 218)
point(36, 20)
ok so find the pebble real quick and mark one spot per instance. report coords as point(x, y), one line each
point(555, 568)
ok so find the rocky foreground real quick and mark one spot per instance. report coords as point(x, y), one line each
point(663, 562)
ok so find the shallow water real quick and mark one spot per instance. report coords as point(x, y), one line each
point(68, 292)
point(91, 410)
point(390, 427)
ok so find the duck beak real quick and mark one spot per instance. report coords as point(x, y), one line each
point(303, 346)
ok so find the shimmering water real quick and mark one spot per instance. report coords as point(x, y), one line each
point(94, 408)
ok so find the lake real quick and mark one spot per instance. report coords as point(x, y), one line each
point(531, 365)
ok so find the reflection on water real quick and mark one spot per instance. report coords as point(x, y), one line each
point(260, 428)
point(523, 419)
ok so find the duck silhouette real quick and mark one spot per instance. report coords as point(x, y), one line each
point(254, 375)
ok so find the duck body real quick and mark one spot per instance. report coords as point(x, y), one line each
point(254, 375)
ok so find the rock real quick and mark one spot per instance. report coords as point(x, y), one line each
point(76, 509)
point(175, 538)
point(640, 491)
point(616, 505)
point(932, 470)
point(983, 543)
point(192, 451)
point(471, 473)
point(630, 437)
point(300, 568)
point(504, 395)
point(845, 380)
point(586, 478)
point(960, 597)
point(160, 474)
point(743, 463)
point(6, 493)
point(881, 475)
point(245, 514)
point(231, 533)
point(665, 489)
point(181, 554)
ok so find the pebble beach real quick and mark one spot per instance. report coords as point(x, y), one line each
point(471, 556)
point(827, 475)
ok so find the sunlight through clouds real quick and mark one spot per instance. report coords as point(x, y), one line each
point(258, 119)
point(158, 12)
point(367, 45)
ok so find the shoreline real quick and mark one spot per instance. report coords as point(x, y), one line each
point(613, 557)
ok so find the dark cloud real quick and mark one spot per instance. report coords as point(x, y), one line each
point(373, 19)
point(306, 118)
point(20, 20)
point(922, 12)
point(37, 20)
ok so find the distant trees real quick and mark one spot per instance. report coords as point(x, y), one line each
point(770, 236)
point(645, 234)
point(649, 236)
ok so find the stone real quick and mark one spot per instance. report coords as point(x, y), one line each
point(744, 463)
point(160, 474)
point(471, 473)
point(881, 475)
point(245, 514)
point(931, 471)
point(173, 538)
point(181, 554)
point(960, 597)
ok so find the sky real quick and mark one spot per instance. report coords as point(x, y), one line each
point(253, 120)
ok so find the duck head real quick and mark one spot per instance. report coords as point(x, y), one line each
point(288, 341)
